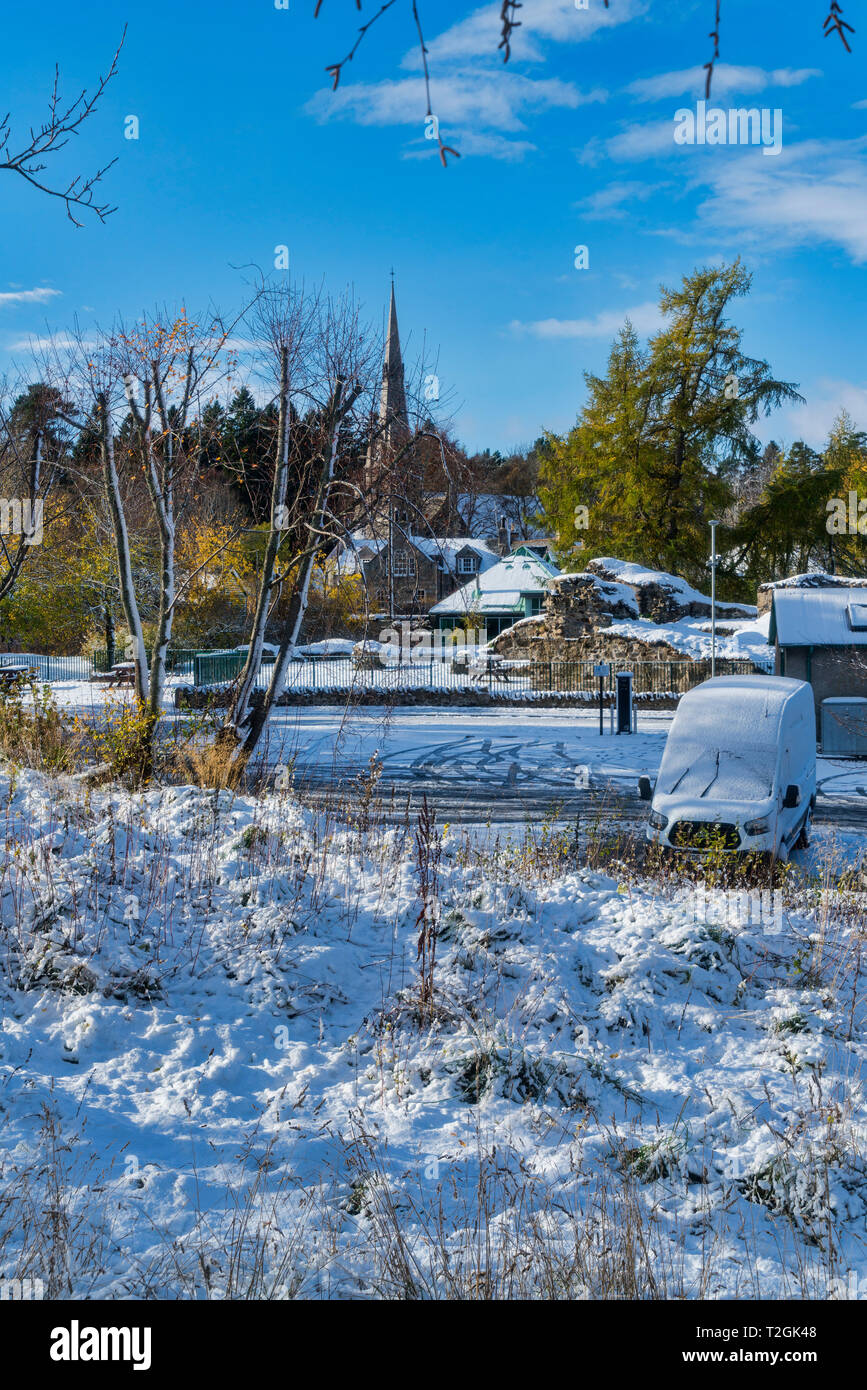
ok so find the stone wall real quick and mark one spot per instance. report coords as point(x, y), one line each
point(663, 604)
point(190, 698)
point(573, 628)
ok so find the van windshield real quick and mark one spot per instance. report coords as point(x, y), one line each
point(695, 770)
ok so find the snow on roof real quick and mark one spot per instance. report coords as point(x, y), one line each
point(815, 579)
point(442, 549)
point(752, 702)
point(823, 617)
point(772, 691)
point(628, 572)
point(351, 551)
point(724, 739)
point(445, 550)
point(500, 589)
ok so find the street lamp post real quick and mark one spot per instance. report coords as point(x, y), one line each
point(713, 526)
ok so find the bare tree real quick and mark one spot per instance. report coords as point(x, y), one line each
point(42, 143)
point(159, 371)
point(322, 356)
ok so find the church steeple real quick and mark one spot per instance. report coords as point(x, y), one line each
point(392, 429)
point(393, 418)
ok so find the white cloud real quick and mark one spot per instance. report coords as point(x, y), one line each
point(37, 296)
point(478, 108)
point(814, 194)
point(62, 342)
point(478, 143)
point(812, 421)
point(727, 79)
point(609, 201)
point(644, 140)
point(557, 21)
point(473, 95)
point(645, 318)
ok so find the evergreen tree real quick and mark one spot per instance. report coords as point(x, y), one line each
point(665, 436)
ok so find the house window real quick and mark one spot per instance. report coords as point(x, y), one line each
point(403, 564)
point(467, 564)
point(419, 593)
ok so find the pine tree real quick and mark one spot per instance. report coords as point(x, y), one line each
point(665, 434)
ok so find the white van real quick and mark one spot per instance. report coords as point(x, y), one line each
point(739, 763)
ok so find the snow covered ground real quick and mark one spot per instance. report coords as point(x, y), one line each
point(738, 639)
point(217, 1075)
point(534, 749)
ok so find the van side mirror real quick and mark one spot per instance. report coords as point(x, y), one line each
point(645, 789)
point(792, 797)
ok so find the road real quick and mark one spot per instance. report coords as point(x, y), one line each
point(480, 767)
point(476, 804)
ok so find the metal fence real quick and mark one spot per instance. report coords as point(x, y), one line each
point(504, 677)
point(178, 662)
point(50, 668)
point(660, 678)
point(81, 668)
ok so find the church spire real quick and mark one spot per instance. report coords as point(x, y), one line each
point(392, 427)
point(393, 418)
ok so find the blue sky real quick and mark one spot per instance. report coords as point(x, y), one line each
point(243, 147)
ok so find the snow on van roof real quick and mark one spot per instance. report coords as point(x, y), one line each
point(742, 697)
point(778, 689)
point(718, 727)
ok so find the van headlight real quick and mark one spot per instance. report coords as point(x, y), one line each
point(757, 827)
point(657, 820)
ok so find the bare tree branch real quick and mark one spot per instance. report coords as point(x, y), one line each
point(835, 23)
point(52, 136)
point(714, 34)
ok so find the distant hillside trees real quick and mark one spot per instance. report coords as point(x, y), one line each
point(802, 518)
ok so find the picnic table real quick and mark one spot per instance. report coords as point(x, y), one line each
point(20, 671)
point(121, 673)
point(488, 668)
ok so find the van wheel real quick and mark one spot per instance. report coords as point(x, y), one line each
point(803, 840)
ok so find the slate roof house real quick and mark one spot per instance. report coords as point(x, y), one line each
point(498, 597)
point(425, 569)
point(819, 634)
